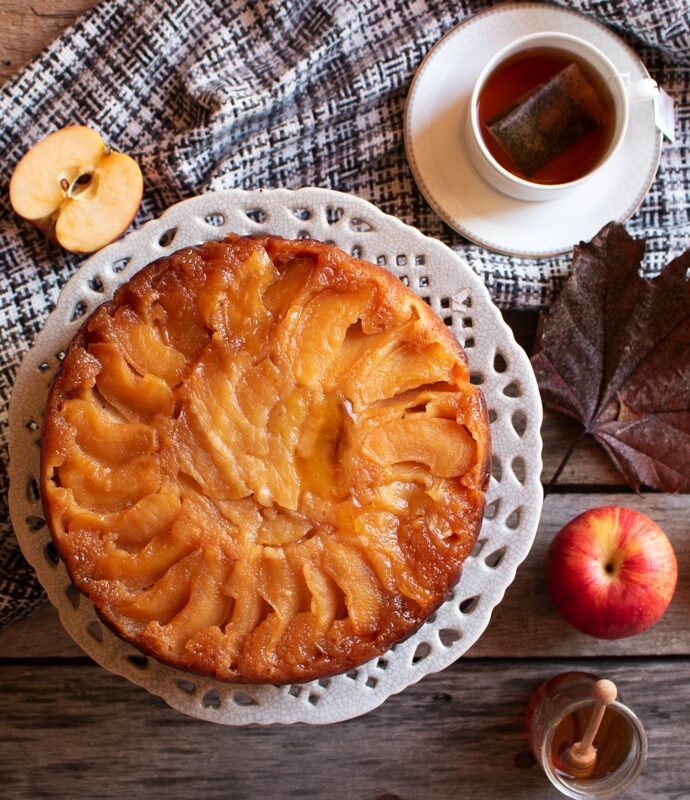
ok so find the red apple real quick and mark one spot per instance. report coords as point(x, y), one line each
point(611, 572)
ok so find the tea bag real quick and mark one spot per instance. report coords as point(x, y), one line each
point(549, 119)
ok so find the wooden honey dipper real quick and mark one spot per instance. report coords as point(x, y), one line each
point(582, 756)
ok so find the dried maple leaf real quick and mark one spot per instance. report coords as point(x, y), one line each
point(615, 355)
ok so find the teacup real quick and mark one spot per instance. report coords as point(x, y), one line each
point(623, 94)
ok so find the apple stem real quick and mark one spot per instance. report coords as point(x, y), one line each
point(565, 460)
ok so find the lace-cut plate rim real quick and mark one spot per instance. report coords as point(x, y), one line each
point(457, 295)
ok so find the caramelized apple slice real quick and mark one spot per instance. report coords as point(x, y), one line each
point(401, 369)
point(109, 442)
point(325, 596)
point(168, 595)
point(194, 459)
point(317, 333)
point(363, 594)
point(318, 446)
point(280, 586)
point(136, 525)
point(109, 488)
point(141, 345)
point(206, 606)
point(135, 397)
point(142, 569)
point(282, 529)
point(442, 444)
point(249, 606)
point(377, 533)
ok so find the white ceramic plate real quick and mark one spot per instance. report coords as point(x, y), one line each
point(456, 293)
point(434, 140)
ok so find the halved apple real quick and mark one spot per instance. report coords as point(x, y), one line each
point(74, 188)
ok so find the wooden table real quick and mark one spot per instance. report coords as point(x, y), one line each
point(71, 730)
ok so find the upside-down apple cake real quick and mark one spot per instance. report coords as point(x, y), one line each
point(264, 460)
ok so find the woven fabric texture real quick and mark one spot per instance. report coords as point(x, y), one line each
point(215, 94)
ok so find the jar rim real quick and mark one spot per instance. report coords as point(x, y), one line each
point(633, 769)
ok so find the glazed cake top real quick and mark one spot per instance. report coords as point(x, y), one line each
point(264, 460)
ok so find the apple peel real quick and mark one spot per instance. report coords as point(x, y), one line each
point(611, 572)
point(75, 189)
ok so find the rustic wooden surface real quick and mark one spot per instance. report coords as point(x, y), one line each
point(72, 730)
point(27, 27)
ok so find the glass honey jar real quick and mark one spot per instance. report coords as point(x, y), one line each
point(557, 716)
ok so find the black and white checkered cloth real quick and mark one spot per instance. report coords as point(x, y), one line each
point(266, 93)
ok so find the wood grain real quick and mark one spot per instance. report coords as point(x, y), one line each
point(76, 731)
point(27, 28)
point(524, 625)
point(589, 464)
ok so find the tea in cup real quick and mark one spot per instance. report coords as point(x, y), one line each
point(546, 113)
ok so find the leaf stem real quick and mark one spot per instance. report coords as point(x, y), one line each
point(565, 460)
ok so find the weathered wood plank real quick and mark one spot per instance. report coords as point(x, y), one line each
point(76, 731)
point(40, 635)
point(524, 625)
point(588, 466)
point(29, 27)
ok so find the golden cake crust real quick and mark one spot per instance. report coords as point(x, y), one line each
point(264, 460)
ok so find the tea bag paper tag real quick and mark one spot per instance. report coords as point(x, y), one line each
point(664, 115)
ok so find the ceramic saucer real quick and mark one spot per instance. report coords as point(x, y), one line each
point(434, 140)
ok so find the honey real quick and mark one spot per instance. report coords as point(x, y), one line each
point(613, 742)
point(557, 716)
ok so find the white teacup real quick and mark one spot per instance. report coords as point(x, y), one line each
point(623, 94)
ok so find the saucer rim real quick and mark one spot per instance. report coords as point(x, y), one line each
point(417, 172)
